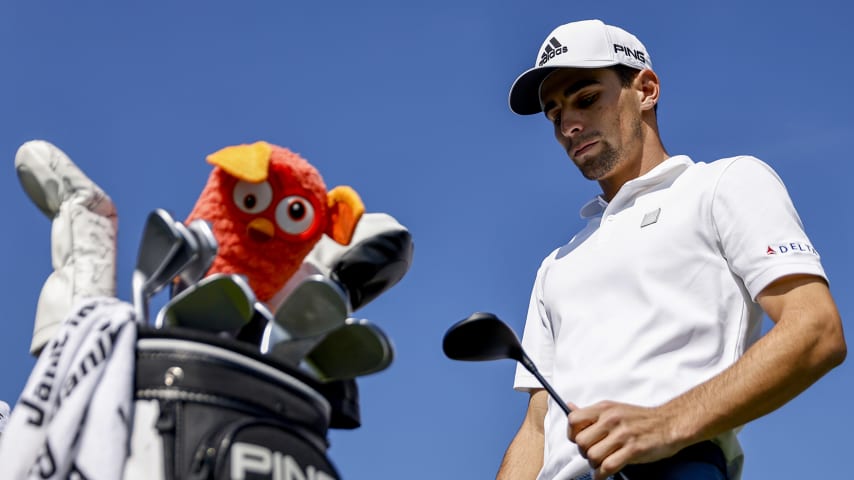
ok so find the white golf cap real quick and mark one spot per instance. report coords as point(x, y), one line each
point(584, 44)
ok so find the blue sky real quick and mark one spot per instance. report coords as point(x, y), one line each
point(406, 103)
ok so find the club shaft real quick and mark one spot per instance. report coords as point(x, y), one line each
point(140, 301)
point(529, 365)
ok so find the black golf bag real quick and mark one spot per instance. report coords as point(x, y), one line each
point(210, 408)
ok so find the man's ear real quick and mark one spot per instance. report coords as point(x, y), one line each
point(648, 87)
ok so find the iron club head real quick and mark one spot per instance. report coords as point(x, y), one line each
point(356, 349)
point(186, 254)
point(217, 303)
point(208, 247)
point(257, 330)
point(206, 253)
point(160, 241)
point(316, 307)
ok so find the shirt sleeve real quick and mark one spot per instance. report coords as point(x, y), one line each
point(760, 233)
point(537, 339)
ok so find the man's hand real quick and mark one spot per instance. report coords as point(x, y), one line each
point(612, 435)
point(804, 344)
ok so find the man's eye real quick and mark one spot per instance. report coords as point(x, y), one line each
point(587, 100)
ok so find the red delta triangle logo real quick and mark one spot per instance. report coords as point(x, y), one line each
point(790, 248)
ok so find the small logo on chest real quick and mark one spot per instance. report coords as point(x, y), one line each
point(650, 218)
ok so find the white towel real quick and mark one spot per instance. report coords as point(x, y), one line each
point(4, 415)
point(73, 417)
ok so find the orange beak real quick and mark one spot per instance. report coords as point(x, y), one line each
point(260, 230)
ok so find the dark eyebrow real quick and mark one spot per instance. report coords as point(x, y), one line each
point(584, 82)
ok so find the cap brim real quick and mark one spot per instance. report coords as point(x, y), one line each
point(525, 92)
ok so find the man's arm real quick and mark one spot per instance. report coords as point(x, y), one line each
point(524, 457)
point(805, 343)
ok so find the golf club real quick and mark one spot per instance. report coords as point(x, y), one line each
point(316, 307)
point(185, 255)
point(274, 337)
point(208, 246)
point(256, 330)
point(160, 241)
point(356, 349)
point(483, 336)
point(217, 303)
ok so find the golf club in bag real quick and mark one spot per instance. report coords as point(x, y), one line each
point(209, 401)
point(482, 336)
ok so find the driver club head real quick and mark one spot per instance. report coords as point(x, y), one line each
point(480, 337)
point(483, 336)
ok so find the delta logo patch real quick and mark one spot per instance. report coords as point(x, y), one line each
point(791, 248)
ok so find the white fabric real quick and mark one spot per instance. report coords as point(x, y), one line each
point(656, 293)
point(591, 44)
point(582, 44)
point(73, 417)
point(146, 444)
point(83, 234)
point(4, 415)
point(83, 254)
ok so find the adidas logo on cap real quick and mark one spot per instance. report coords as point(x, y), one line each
point(553, 49)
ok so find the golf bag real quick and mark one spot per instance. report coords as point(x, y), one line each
point(209, 408)
point(212, 407)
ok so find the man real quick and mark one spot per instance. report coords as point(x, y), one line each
point(648, 321)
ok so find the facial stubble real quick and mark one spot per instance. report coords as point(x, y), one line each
point(598, 166)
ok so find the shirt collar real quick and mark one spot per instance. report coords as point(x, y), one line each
point(664, 171)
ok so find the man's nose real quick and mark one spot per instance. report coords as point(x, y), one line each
point(570, 125)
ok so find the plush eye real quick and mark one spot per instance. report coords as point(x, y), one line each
point(252, 197)
point(294, 214)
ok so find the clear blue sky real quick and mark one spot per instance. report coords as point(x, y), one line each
point(406, 102)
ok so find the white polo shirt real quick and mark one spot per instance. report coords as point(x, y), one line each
point(656, 293)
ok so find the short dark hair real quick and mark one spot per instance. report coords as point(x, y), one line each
point(627, 75)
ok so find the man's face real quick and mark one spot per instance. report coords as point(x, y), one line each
point(596, 121)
